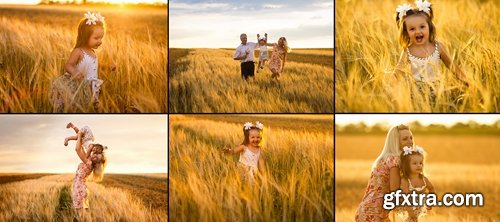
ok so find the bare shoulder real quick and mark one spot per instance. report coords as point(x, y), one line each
point(76, 54)
point(441, 48)
point(239, 148)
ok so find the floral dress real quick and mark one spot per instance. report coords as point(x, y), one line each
point(80, 192)
point(370, 208)
point(276, 58)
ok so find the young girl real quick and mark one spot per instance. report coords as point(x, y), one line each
point(278, 57)
point(87, 138)
point(251, 158)
point(93, 161)
point(263, 51)
point(384, 176)
point(421, 51)
point(413, 179)
point(81, 82)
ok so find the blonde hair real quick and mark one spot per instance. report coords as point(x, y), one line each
point(391, 146)
point(285, 45)
point(98, 165)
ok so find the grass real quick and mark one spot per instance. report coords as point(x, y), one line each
point(367, 52)
point(49, 199)
point(209, 80)
point(205, 185)
point(33, 53)
point(464, 164)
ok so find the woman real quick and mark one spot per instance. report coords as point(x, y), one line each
point(385, 176)
point(92, 161)
point(278, 57)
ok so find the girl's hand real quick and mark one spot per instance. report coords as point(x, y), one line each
point(113, 67)
point(227, 150)
point(79, 76)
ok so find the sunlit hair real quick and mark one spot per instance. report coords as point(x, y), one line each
point(85, 31)
point(391, 146)
point(404, 37)
point(99, 162)
point(285, 45)
point(246, 133)
point(405, 164)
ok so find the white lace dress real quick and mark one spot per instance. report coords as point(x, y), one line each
point(417, 211)
point(425, 69)
point(248, 163)
point(87, 137)
point(67, 91)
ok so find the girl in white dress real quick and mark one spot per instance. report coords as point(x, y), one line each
point(251, 160)
point(87, 136)
point(263, 55)
point(80, 85)
point(413, 179)
point(422, 53)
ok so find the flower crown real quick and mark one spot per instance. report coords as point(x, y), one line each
point(92, 18)
point(408, 150)
point(249, 125)
point(424, 6)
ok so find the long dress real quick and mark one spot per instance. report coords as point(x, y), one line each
point(370, 209)
point(80, 192)
point(66, 91)
point(276, 58)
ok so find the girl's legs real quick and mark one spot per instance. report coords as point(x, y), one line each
point(260, 66)
point(275, 74)
point(70, 125)
point(67, 139)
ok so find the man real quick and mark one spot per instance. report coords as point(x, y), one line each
point(245, 53)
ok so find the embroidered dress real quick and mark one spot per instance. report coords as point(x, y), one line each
point(80, 192)
point(370, 209)
point(247, 164)
point(67, 91)
point(417, 211)
point(263, 53)
point(425, 72)
point(276, 58)
point(87, 138)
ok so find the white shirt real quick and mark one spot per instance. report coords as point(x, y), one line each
point(242, 49)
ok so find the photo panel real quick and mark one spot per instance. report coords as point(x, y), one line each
point(113, 169)
point(449, 161)
point(251, 167)
point(79, 56)
point(251, 56)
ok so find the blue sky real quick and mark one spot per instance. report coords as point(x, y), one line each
point(218, 24)
point(34, 143)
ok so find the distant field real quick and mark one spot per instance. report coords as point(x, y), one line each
point(209, 80)
point(454, 164)
point(36, 42)
point(119, 198)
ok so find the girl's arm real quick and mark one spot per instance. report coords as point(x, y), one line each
point(405, 186)
point(394, 178)
point(262, 164)
point(400, 67)
point(235, 150)
point(284, 60)
point(79, 148)
point(430, 187)
point(445, 57)
point(70, 66)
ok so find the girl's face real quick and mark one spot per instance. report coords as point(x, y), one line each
point(95, 39)
point(262, 43)
point(280, 41)
point(254, 138)
point(416, 164)
point(405, 139)
point(418, 29)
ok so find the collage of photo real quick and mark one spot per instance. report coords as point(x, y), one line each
point(252, 111)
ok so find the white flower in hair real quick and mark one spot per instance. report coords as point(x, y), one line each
point(402, 9)
point(99, 17)
point(259, 125)
point(423, 6)
point(92, 18)
point(419, 149)
point(248, 125)
point(407, 150)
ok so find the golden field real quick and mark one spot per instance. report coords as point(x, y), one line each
point(36, 41)
point(205, 186)
point(49, 199)
point(367, 52)
point(455, 163)
point(209, 80)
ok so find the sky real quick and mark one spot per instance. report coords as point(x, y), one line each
point(425, 119)
point(219, 23)
point(34, 143)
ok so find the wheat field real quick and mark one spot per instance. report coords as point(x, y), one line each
point(454, 164)
point(209, 80)
point(205, 186)
point(49, 199)
point(35, 42)
point(367, 52)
